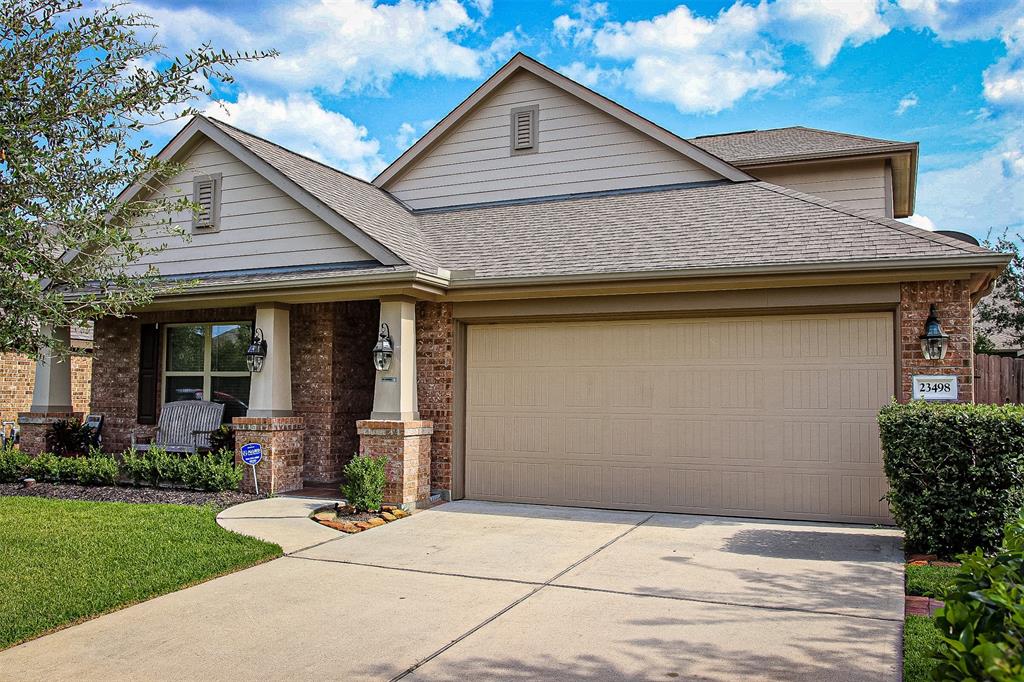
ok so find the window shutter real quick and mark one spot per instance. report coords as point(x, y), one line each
point(524, 129)
point(149, 364)
point(206, 196)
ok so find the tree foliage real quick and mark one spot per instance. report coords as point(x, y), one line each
point(78, 87)
point(1002, 312)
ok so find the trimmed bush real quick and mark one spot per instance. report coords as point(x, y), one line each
point(134, 466)
point(214, 471)
point(13, 464)
point(982, 623)
point(956, 472)
point(365, 478)
point(98, 469)
point(45, 466)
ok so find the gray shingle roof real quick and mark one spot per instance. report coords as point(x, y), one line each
point(718, 225)
point(369, 208)
point(780, 143)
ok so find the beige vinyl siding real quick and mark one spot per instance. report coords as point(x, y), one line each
point(581, 149)
point(857, 184)
point(260, 226)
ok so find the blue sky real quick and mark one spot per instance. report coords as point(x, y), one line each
point(357, 81)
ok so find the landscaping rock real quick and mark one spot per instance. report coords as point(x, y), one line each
point(343, 526)
point(400, 513)
point(388, 516)
point(363, 525)
point(325, 516)
point(388, 508)
point(373, 523)
point(345, 509)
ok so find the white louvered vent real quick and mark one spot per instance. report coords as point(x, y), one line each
point(524, 129)
point(206, 196)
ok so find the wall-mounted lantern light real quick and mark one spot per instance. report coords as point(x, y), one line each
point(257, 352)
point(934, 341)
point(384, 350)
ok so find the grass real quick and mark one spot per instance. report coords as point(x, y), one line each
point(929, 581)
point(64, 561)
point(920, 638)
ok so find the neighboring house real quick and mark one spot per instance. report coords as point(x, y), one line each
point(585, 308)
point(17, 378)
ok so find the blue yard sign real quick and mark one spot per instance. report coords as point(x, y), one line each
point(252, 453)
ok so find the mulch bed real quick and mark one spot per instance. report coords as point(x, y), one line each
point(127, 494)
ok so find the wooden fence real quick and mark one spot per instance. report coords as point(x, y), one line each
point(998, 379)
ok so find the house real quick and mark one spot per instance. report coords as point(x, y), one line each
point(17, 379)
point(584, 309)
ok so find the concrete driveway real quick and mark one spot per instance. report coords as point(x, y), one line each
point(482, 590)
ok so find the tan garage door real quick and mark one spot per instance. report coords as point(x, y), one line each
point(754, 416)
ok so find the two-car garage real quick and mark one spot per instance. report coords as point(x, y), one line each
point(767, 416)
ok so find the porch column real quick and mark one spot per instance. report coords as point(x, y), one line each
point(269, 421)
point(270, 392)
point(51, 393)
point(394, 429)
point(394, 393)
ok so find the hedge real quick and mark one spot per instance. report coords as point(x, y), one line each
point(982, 622)
point(956, 472)
point(213, 471)
point(365, 479)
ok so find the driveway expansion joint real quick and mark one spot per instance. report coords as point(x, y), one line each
point(517, 602)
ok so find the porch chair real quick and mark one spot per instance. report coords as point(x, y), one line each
point(185, 426)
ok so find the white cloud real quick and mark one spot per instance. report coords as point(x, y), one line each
point(408, 133)
point(346, 45)
point(995, 198)
point(704, 64)
point(825, 28)
point(301, 124)
point(1004, 80)
point(918, 220)
point(908, 101)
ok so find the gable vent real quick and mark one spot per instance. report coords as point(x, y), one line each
point(206, 197)
point(524, 129)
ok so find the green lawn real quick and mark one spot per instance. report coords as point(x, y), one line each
point(62, 561)
point(929, 581)
point(920, 638)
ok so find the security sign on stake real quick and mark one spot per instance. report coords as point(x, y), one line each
point(252, 454)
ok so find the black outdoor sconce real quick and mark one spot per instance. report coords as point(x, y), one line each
point(384, 350)
point(934, 341)
point(257, 352)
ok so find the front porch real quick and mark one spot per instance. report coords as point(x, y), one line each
point(317, 401)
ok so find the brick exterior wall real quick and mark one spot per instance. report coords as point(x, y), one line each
point(18, 378)
point(435, 367)
point(332, 376)
point(953, 302)
point(407, 447)
point(280, 470)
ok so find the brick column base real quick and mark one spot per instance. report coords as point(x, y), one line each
point(406, 444)
point(33, 427)
point(281, 438)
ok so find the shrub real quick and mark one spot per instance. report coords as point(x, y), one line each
point(69, 469)
point(162, 466)
point(45, 466)
point(134, 466)
point(13, 464)
point(365, 478)
point(223, 439)
point(98, 470)
point(982, 623)
point(214, 471)
point(956, 472)
point(69, 438)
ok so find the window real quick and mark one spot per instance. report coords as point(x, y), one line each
point(524, 129)
point(203, 360)
point(206, 197)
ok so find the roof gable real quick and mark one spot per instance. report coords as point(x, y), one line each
point(303, 180)
point(522, 66)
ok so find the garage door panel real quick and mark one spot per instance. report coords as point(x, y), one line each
point(755, 417)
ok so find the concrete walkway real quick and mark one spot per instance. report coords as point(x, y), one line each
point(479, 590)
point(284, 520)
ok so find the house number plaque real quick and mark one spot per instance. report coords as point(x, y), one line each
point(934, 387)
